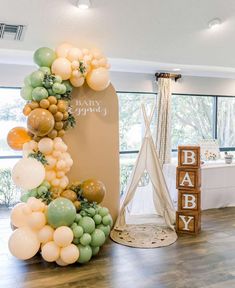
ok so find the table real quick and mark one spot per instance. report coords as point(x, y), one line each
point(218, 184)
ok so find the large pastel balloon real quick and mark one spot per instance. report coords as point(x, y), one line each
point(18, 216)
point(63, 49)
point(17, 137)
point(93, 190)
point(23, 243)
point(45, 145)
point(44, 56)
point(28, 173)
point(50, 251)
point(61, 212)
point(69, 254)
point(63, 236)
point(98, 79)
point(85, 253)
point(40, 122)
point(26, 93)
point(62, 67)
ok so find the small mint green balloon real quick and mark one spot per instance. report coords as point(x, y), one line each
point(85, 239)
point(103, 211)
point(27, 81)
point(78, 218)
point(85, 253)
point(36, 78)
point(74, 225)
point(58, 79)
point(107, 220)
point(61, 212)
point(45, 70)
point(44, 57)
point(105, 229)
point(24, 197)
point(77, 231)
point(98, 219)
point(33, 192)
point(26, 93)
point(88, 224)
point(68, 85)
point(97, 238)
point(59, 88)
point(95, 250)
point(39, 93)
point(91, 211)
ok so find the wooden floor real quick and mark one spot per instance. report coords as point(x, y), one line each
point(207, 260)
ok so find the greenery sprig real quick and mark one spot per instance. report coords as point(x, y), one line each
point(38, 156)
point(70, 122)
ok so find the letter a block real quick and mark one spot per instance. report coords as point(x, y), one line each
point(189, 200)
point(187, 178)
point(188, 222)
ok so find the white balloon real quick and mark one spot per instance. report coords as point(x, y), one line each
point(28, 173)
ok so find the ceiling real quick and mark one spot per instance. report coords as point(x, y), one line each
point(167, 32)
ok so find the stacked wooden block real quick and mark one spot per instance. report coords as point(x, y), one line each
point(188, 183)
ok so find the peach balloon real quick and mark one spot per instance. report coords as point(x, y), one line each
point(60, 262)
point(50, 251)
point(60, 165)
point(60, 174)
point(50, 175)
point(18, 216)
point(37, 220)
point(46, 234)
point(63, 236)
point(69, 254)
point(103, 62)
point(63, 49)
point(17, 137)
point(74, 54)
point(60, 146)
point(23, 243)
point(62, 67)
point(45, 145)
point(56, 154)
point(35, 204)
point(77, 81)
point(98, 79)
point(75, 65)
point(51, 161)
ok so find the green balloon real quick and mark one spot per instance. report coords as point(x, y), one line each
point(88, 224)
point(26, 93)
point(91, 211)
point(103, 211)
point(44, 57)
point(97, 238)
point(95, 250)
point(105, 229)
point(45, 70)
point(61, 212)
point(36, 78)
point(78, 218)
point(76, 241)
point(85, 239)
point(33, 192)
point(77, 231)
point(74, 225)
point(68, 85)
point(27, 81)
point(98, 219)
point(24, 197)
point(39, 93)
point(85, 253)
point(107, 220)
point(58, 79)
point(59, 88)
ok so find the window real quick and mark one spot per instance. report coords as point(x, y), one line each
point(192, 119)
point(131, 127)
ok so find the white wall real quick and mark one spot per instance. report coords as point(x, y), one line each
point(13, 76)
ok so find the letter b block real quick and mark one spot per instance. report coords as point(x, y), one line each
point(188, 222)
point(189, 200)
point(189, 156)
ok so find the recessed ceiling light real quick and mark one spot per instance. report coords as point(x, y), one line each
point(214, 23)
point(84, 4)
point(176, 69)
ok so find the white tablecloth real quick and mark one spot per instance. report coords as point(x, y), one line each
point(218, 184)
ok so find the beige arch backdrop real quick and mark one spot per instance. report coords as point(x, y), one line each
point(94, 142)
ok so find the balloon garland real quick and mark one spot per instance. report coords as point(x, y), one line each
point(63, 220)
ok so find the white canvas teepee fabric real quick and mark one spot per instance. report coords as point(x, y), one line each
point(158, 197)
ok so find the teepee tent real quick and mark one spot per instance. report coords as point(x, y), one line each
point(157, 195)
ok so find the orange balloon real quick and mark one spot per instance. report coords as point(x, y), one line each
point(40, 122)
point(93, 190)
point(17, 137)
